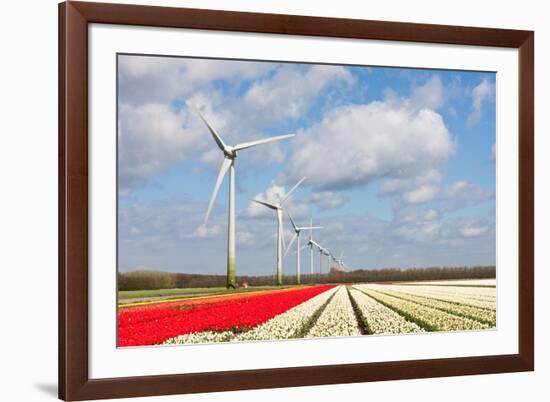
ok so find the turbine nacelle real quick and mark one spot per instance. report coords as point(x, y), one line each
point(279, 204)
point(229, 152)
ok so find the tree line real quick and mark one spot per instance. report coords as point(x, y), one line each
point(153, 279)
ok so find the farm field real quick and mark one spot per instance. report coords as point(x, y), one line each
point(309, 312)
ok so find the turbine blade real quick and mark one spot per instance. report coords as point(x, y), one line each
point(316, 244)
point(215, 135)
point(223, 170)
point(310, 227)
point(292, 221)
point(290, 244)
point(250, 144)
point(265, 203)
point(291, 191)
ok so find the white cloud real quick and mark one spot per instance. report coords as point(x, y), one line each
point(205, 232)
point(430, 94)
point(152, 138)
point(471, 231)
point(483, 92)
point(284, 95)
point(146, 79)
point(393, 186)
point(412, 213)
point(354, 145)
point(419, 195)
point(244, 238)
point(457, 195)
point(329, 199)
point(462, 193)
point(290, 91)
point(211, 157)
point(419, 232)
point(431, 214)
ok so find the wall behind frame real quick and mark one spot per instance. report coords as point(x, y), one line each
point(28, 206)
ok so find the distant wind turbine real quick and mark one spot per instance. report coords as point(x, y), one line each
point(297, 230)
point(230, 153)
point(340, 261)
point(337, 261)
point(311, 244)
point(280, 236)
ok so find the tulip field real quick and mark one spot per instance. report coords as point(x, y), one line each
point(311, 312)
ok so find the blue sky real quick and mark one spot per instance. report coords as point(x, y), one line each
point(399, 163)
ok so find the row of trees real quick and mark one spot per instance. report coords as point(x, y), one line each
point(152, 279)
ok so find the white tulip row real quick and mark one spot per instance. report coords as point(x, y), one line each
point(475, 313)
point(476, 292)
point(473, 292)
point(450, 294)
point(290, 323)
point(380, 319)
point(437, 320)
point(338, 318)
point(453, 296)
point(201, 337)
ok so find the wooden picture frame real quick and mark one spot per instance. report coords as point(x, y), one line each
point(74, 381)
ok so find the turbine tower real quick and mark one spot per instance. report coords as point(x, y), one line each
point(230, 153)
point(297, 230)
point(278, 207)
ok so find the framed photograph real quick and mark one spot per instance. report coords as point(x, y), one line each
point(259, 200)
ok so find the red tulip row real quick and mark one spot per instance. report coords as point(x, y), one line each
point(140, 327)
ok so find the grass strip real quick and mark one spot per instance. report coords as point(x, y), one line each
point(361, 319)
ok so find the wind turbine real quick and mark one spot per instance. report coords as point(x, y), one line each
point(280, 236)
point(297, 230)
point(311, 244)
point(340, 261)
point(229, 155)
